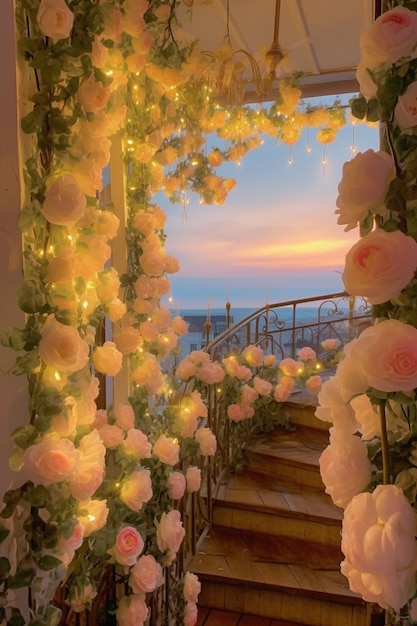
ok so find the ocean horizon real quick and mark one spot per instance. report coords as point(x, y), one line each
point(239, 313)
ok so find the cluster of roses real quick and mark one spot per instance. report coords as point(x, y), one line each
point(248, 379)
point(369, 466)
point(89, 476)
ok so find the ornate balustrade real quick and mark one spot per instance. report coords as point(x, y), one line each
point(280, 329)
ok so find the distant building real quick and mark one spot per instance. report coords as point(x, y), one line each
point(196, 338)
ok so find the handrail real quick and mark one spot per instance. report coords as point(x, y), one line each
point(338, 316)
point(267, 328)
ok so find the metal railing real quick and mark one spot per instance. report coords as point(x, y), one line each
point(280, 329)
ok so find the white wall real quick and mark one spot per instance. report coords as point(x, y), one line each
point(13, 395)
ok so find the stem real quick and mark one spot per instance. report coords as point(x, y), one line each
point(384, 444)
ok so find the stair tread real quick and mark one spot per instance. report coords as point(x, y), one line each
point(217, 617)
point(266, 493)
point(301, 446)
point(272, 562)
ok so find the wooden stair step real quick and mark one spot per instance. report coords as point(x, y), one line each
point(214, 617)
point(276, 577)
point(261, 503)
point(302, 405)
point(289, 454)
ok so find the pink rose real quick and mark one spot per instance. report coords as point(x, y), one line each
point(262, 387)
point(127, 339)
point(190, 614)
point(136, 489)
point(179, 325)
point(93, 96)
point(345, 467)
point(192, 587)
point(61, 346)
point(137, 444)
point(186, 369)
point(281, 393)
point(107, 359)
point(146, 575)
point(330, 344)
point(51, 461)
point(378, 541)
point(306, 354)
point(129, 544)
point(207, 441)
point(386, 356)
point(380, 265)
point(149, 374)
point(64, 203)
point(363, 187)
point(193, 478)
point(176, 485)
point(167, 450)
point(405, 111)
point(211, 373)
point(313, 384)
point(270, 360)
point(125, 416)
point(170, 532)
point(111, 435)
point(253, 355)
point(289, 367)
point(55, 20)
point(247, 395)
point(235, 412)
point(391, 37)
point(132, 610)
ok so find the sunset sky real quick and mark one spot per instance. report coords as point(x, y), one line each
point(276, 237)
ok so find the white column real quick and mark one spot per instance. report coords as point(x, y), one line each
point(13, 389)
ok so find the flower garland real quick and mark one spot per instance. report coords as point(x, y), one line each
point(371, 401)
point(103, 487)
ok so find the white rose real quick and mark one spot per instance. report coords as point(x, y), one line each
point(345, 467)
point(55, 19)
point(364, 184)
point(405, 112)
point(61, 346)
point(64, 202)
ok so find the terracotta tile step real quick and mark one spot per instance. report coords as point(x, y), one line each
point(261, 503)
point(276, 577)
point(290, 455)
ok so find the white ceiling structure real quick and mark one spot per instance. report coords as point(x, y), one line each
point(319, 37)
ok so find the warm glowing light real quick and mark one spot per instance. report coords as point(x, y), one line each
point(91, 518)
point(57, 376)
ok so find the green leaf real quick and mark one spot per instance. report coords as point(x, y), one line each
point(46, 563)
point(30, 298)
point(16, 618)
point(24, 436)
point(4, 567)
point(22, 578)
point(39, 497)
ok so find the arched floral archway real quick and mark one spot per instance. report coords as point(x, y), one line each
point(104, 485)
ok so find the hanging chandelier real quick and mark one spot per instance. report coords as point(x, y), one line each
point(228, 67)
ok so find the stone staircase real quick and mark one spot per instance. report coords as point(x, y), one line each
point(272, 556)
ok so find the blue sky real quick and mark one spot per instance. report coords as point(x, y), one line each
point(276, 237)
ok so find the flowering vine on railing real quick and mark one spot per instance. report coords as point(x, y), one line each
point(369, 468)
point(102, 488)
